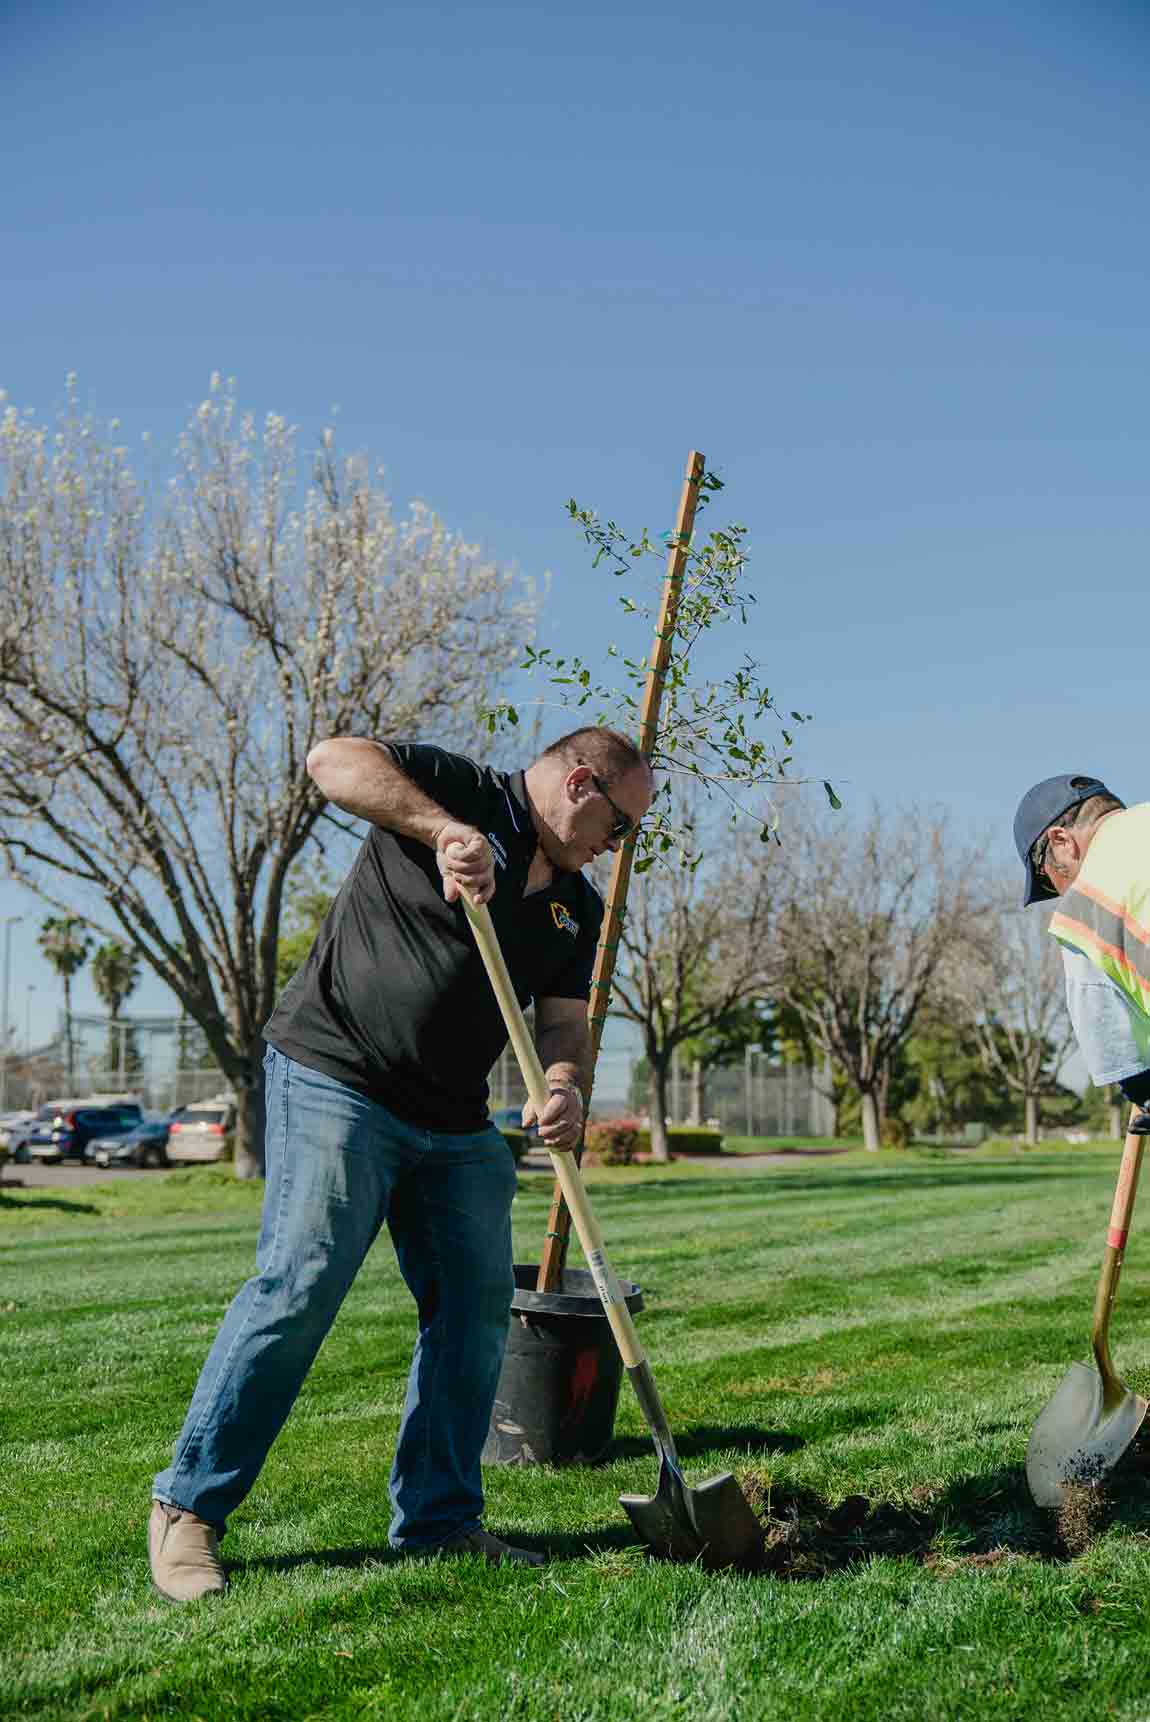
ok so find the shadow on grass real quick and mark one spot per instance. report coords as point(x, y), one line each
point(367, 1555)
point(26, 1201)
point(564, 1545)
point(711, 1437)
point(846, 1179)
point(977, 1522)
point(931, 1180)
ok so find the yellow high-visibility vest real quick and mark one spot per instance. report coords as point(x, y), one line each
point(1106, 912)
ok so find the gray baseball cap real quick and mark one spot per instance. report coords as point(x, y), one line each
point(1040, 807)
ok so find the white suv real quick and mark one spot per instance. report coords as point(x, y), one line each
point(202, 1132)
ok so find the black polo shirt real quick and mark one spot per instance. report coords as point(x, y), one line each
point(393, 998)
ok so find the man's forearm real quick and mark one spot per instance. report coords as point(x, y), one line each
point(565, 1054)
point(362, 777)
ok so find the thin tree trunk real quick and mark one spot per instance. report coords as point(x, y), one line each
point(1032, 1120)
point(250, 1116)
point(826, 1083)
point(1116, 1119)
point(68, 1053)
point(698, 1094)
point(657, 1109)
point(870, 1121)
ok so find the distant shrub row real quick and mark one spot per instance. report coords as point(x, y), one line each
point(618, 1141)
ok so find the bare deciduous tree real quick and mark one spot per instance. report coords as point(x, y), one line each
point(866, 914)
point(167, 660)
point(694, 950)
point(1008, 987)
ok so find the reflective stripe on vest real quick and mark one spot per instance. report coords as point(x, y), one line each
point(1106, 912)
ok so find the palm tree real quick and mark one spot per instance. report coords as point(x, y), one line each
point(66, 945)
point(115, 974)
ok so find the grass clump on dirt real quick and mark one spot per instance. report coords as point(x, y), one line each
point(864, 1340)
point(1081, 1516)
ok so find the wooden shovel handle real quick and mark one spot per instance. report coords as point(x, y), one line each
point(1120, 1216)
point(1125, 1191)
point(566, 1170)
point(558, 1222)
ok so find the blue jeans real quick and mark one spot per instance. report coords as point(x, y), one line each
point(338, 1166)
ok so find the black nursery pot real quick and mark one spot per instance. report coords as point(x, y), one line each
point(557, 1395)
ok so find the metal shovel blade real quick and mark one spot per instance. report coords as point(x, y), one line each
point(1079, 1438)
point(713, 1524)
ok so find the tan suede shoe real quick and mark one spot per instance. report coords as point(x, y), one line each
point(185, 1555)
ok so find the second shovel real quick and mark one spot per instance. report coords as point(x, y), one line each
point(1093, 1416)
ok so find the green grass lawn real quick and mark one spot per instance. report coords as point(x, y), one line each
point(866, 1340)
point(786, 1144)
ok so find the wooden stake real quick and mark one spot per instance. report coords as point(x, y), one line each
point(559, 1220)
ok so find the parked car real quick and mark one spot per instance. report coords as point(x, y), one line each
point(146, 1145)
point(63, 1129)
point(12, 1123)
point(202, 1132)
point(32, 1140)
point(18, 1128)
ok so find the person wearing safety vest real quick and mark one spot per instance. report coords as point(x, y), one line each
point(1079, 843)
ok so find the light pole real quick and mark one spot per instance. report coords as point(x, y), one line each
point(5, 1025)
point(748, 1078)
point(28, 1020)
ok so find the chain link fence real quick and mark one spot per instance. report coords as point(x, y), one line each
point(754, 1098)
point(92, 1055)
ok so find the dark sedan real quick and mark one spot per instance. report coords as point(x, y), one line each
point(146, 1145)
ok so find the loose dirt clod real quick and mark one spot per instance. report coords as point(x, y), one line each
point(1079, 1519)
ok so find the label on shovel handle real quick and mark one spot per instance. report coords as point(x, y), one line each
point(608, 1287)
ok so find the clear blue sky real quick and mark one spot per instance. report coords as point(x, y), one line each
point(887, 266)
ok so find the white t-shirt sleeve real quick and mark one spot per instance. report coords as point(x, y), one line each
point(1102, 1022)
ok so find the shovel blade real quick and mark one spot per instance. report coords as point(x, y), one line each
point(725, 1523)
point(713, 1524)
point(1078, 1439)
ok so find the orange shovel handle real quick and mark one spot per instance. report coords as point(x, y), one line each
point(1120, 1214)
point(1125, 1192)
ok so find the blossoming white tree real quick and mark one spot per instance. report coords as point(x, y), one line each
point(168, 657)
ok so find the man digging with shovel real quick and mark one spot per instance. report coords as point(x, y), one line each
point(376, 1079)
point(1079, 843)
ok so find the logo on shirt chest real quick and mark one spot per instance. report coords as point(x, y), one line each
point(498, 852)
point(564, 920)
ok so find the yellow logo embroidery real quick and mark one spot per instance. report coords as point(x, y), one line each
point(563, 920)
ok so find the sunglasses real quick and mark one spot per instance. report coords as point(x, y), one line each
point(622, 825)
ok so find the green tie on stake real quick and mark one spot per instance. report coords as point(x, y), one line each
point(559, 1219)
point(713, 1524)
point(1093, 1416)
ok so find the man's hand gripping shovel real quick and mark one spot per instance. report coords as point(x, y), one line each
point(713, 1524)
